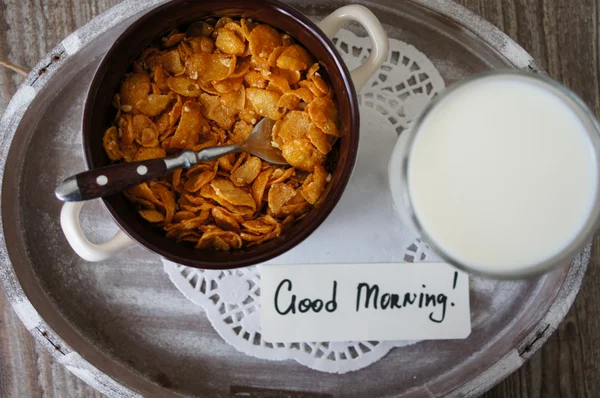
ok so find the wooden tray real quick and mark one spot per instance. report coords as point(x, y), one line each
point(122, 327)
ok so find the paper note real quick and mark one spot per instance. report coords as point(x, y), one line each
point(344, 302)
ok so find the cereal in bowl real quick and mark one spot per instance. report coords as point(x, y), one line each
point(210, 85)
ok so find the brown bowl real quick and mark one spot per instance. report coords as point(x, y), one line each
point(99, 112)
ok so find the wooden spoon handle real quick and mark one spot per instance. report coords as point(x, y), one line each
point(108, 180)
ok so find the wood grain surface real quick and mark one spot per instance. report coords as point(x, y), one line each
point(562, 35)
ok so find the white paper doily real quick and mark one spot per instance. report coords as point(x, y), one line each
point(360, 229)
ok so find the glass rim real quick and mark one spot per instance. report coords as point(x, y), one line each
point(592, 128)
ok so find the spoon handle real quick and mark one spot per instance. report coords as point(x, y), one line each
point(108, 180)
point(215, 152)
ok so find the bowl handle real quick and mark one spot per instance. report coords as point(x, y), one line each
point(334, 22)
point(69, 221)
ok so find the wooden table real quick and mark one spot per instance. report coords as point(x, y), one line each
point(563, 35)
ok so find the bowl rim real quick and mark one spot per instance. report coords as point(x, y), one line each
point(333, 196)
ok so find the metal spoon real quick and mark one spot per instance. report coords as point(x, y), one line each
point(108, 180)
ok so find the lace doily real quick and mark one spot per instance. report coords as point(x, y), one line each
point(231, 299)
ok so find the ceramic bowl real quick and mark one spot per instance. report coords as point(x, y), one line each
point(99, 112)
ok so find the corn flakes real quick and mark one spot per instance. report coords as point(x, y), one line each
point(210, 85)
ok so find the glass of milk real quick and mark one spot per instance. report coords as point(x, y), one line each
point(499, 175)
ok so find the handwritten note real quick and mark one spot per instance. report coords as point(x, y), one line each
point(341, 302)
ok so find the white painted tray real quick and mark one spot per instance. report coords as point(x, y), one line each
point(122, 327)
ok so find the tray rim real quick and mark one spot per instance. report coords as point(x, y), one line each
point(49, 66)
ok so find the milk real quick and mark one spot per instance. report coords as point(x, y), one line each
point(502, 174)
